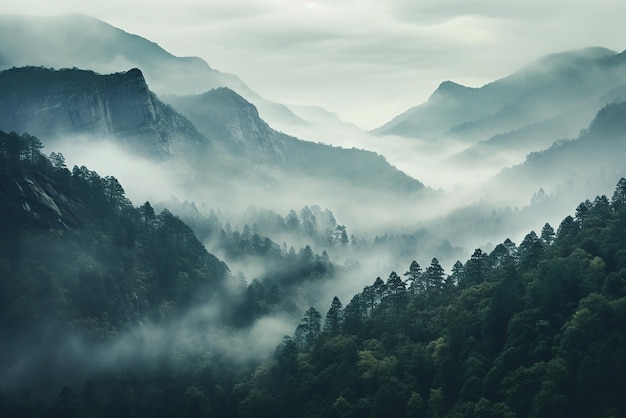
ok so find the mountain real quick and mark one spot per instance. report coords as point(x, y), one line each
point(120, 106)
point(323, 125)
point(226, 118)
point(114, 316)
point(569, 168)
point(534, 330)
point(80, 266)
point(562, 92)
point(85, 42)
point(508, 148)
point(231, 137)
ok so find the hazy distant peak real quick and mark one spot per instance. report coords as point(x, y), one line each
point(610, 122)
point(449, 89)
point(80, 40)
point(226, 93)
point(573, 58)
point(586, 53)
point(570, 84)
point(450, 85)
point(88, 28)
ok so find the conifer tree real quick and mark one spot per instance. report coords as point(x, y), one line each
point(334, 317)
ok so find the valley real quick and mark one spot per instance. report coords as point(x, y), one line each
point(170, 239)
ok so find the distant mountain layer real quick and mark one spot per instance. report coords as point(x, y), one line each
point(568, 87)
point(596, 155)
point(85, 42)
point(46, 103)
point(228, 119)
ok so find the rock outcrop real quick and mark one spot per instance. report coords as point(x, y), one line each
point(225, 117)
point(118, 106)
point(30, 196)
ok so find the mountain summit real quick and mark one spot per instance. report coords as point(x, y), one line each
point(561, 91)
point(78, 40)
point(48, 103)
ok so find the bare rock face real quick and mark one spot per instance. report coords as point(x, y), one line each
point(118, 106)
point(227, 118)
point(30, 196)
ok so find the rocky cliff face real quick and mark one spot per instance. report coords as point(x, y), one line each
point(86, 42)
point(229, 119)
point(119, 106)
point(30, 196)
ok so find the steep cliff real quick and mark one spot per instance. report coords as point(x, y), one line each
point(86, 42)
point(226, 117)
point(120, 106)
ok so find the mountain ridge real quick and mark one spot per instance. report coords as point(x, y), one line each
point(79, 40)
point(48, 102)
point(225, 117)
point(544, 89)
point(122, 107)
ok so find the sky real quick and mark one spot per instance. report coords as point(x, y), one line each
point(366, 60)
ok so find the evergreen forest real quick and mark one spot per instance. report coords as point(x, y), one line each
point(99, 305)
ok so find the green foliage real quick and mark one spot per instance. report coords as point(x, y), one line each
point(78, 261)
point(529, 331)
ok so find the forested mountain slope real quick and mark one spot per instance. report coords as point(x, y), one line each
point(226, 118)
point(529, 330)
point(78, 261)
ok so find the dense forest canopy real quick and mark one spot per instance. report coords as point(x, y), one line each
point(534, 329)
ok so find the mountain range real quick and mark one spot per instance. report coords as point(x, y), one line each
point(552, 98)
point(219, 131)
point(82, 41)
point(563, 85)
point(225, 117)
point(124, 310)
point(52, 104)
point(72, 102)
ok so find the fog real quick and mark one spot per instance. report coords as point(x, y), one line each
point(463, 195)
point(470, 207)
point(480, 189)
point(443, 224)
point(52, 354)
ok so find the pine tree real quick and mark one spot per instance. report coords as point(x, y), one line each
point(618, 201)
point(435, 276)
point(334, 317)
point(414, 273)
point(308, 331)
point(396, 291)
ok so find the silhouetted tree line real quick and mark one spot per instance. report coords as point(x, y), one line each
point(15, 148)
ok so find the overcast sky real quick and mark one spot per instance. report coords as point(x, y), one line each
point(366, 60)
